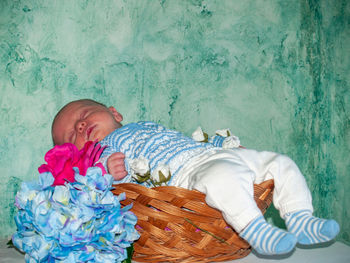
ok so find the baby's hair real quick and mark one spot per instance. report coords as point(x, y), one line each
point(87, 101)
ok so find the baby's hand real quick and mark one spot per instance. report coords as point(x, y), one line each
point(116, 166)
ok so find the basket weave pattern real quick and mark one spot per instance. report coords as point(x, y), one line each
point(176, 225)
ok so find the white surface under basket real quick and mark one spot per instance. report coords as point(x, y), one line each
point(327, 253)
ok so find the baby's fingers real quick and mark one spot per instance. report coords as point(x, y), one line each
point(117, 167)
point(117, 155)
point(119, 175)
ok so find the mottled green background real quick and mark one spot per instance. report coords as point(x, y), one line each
point(275, 72)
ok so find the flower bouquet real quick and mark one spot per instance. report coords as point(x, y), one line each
point(70, 214)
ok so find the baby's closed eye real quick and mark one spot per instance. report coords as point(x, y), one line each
point(84, 114)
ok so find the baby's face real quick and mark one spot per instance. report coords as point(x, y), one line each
point(80, 122)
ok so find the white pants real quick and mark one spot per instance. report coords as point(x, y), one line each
point(226, 177)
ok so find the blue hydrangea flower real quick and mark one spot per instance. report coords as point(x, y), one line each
point(77, 222)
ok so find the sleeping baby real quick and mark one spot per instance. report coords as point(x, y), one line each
point(225, 176)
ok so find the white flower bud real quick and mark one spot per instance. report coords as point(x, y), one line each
point(140, 166)
point(223, 132)
point(198, 135)
point(231, 142)
point(161, 174)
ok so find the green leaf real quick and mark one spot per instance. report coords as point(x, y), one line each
point(143, 178)
point(206, 137)
point(10, 244)
point(129, 251)
point(161, 177)
point(206, 231)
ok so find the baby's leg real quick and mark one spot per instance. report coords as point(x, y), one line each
point(227, 183)
point(291, 196)
point(228, 186)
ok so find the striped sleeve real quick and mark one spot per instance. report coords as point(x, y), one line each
point(216, 140)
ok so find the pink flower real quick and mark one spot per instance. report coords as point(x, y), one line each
point(62, 158)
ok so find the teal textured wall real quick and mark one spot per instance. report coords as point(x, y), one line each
point(275, 72)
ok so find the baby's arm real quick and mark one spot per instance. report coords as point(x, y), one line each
point(116, 166)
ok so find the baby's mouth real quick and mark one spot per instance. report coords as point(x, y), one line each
point(88, 132)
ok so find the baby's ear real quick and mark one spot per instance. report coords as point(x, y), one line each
point(118, 117)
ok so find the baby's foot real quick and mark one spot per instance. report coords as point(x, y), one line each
point(267, 239)
point(309, 229)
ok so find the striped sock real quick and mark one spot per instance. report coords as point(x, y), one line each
point(267, 239)
point(309, 229)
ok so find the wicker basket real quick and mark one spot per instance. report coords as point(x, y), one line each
point(176, 225)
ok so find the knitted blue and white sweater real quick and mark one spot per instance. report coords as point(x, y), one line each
point(155, 143)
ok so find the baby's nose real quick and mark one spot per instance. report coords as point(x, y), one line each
point(80, 126)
